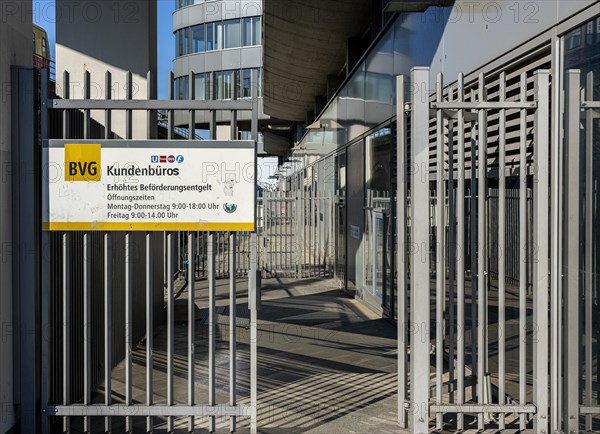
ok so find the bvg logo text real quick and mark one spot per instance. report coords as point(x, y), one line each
point(82, 162)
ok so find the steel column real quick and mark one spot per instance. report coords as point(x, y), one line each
point(212, 325)
point(572, 287)
point(232, 326)
point(502, 253)
point(402, 319)
point(541, 294)
point(419, 265)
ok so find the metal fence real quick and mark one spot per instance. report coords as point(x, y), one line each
point(296, 235)
point(581, 318)
point(103, 293)
point(480, 332)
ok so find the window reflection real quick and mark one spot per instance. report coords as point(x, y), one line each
point(224, 84)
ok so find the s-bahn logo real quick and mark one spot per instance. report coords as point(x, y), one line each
point(82, 162)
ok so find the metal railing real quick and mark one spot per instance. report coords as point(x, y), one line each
point(434, 289)
point(89, 281)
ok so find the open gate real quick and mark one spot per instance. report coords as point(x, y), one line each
point(105, 293)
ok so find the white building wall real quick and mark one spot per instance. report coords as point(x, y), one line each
point(97, 36)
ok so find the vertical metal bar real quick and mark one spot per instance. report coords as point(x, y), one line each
point(212, 126)
point(461, 251)
point(192, 113)
point(107, 113)
point(44, 275)
point(252, 282)
point(66, 332)
point(451, 255)
point(557, 159)
point(501, 251)
point(481, 252)
point(252, 295)
point(87, 112)
point(170, 326)
point(402, 319)
point(541, 221)
point(191, 326)
point(254, 120)
point(87, 327)
point(149, 281)
point(108, 275)
point(87, 285)
point(170, 113)
point(234, 96)
point(298, 247)
point(523, 250)
point(129, 113)
point(440, 260)
point(150, 120)
point(128, 324)
point(473, 234)
point(571, 366)
point(149, 329)
point(211, 327)
point(589, 245)
point(232, 327)
point(420, 272)
point(66, 124)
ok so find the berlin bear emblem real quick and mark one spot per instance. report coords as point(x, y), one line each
point(230, 207)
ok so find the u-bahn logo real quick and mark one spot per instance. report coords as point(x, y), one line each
point(82, 162)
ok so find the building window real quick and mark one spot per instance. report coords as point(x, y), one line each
point(247, 31)
point(210, 37)
point(231, 33)
point(228, 83)
point(201, 84)
point(198, 38)
point(219, 85)
point(257, 30)
point(218, 35)
point(34, 50)
point(182, 88)
point(251, 31)
point(182, 42)
point(186, 41)
point(246, 91)
point(44, 48)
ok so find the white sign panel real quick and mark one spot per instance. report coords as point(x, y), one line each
point(150, 185)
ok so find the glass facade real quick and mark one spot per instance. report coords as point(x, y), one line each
point(224, 84)
point(378, 215)
point(218, 35)
point(183, 3)
point(367, 99)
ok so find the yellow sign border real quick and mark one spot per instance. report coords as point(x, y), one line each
point(146, 226)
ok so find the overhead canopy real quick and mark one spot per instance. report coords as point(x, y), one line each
point(305, 41)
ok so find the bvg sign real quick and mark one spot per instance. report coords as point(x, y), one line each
point(82, 162)
point(150, 185)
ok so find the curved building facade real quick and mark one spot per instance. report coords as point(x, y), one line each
point(218, 43)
